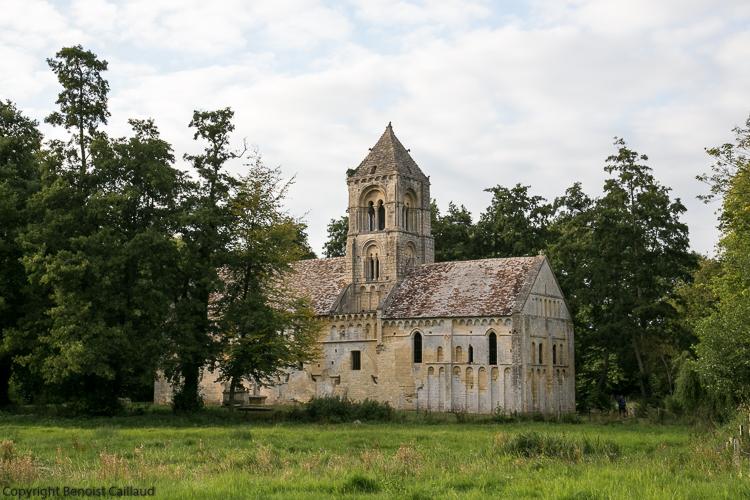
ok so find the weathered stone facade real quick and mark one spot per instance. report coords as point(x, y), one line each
point(455, 336)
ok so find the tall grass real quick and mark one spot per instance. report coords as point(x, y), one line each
point(538, 444)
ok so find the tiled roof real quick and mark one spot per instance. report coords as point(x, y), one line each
point(320, 280)
point(388, 155)
point(488, 287)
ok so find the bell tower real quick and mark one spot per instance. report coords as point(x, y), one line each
point(389, 222)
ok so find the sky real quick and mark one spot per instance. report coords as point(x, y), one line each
point(483, 93)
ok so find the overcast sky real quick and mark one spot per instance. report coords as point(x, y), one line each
point(483, 93)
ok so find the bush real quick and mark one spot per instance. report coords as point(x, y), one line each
point(359, 483)
point(337, 409)
point(535, 444)
point(503, 417)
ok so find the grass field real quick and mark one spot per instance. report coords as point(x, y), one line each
point(214, 456)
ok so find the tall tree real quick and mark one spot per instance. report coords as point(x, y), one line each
point(55, 241)
point(571, 255)
point(205, 236)
point(133, 252)
point(335, 245)
point(642, 253)
point(724, 338)
point(453, 233)
point(100, 249)
point(265, 328)
point(20, 143)
point(515, 223)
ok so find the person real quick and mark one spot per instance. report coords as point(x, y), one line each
point(622, 406)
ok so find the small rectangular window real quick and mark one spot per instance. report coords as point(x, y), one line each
point(356, 360)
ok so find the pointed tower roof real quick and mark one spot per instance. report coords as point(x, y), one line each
point(388, 155)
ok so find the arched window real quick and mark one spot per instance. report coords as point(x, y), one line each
point(471, 354)
point(493, 348)
point(439, 353)
point(381, 216)
point(554, 354)
point(417, 344)
point(459, 354)
point(541, 358)
point(533, 352)
point(372, 265)
point(371, 217)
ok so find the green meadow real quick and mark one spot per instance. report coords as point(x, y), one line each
point(221, 455)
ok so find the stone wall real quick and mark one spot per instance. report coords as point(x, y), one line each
point(446, 379)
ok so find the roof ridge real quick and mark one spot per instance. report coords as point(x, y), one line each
point(484, 259)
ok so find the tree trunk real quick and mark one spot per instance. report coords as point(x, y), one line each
point(4, 381)
point(603, 375)
point(669, 374)
point(641, 368)
point(232, 391)
point(188, 399)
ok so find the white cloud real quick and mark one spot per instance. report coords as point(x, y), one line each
point(535, 102)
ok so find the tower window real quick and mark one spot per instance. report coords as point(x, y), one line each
point(372, 267)
point(417, 344)
point(493, 348)
point(356, 360)
point(471, 354)
point(371, 217)
point(405, 216)
point(381, 216)
point(554, 354)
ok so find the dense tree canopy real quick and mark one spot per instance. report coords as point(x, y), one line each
point(453, 233)
point(724, 346)
point(20, 143)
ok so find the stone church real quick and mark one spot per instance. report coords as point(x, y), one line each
point(474, 336)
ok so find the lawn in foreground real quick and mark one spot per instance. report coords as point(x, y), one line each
point(200, 458)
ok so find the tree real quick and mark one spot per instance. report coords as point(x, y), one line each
point(514, 224)
point(205, 235)
point(83, 100)
point(99, 250)
point(571, 253)
point(303, 242)
point(453, 233)
point(52, 340)
point(265, 329)
point(20, 143)
point(641, 254)
point(133, 253)
point(724, 338)
point(335, 246)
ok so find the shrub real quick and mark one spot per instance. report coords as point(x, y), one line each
point(535, 444)
point(335, 409)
